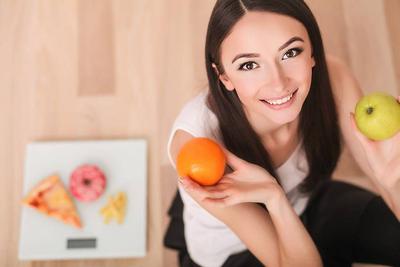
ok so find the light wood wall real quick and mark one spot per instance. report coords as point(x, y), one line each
point(123, 69)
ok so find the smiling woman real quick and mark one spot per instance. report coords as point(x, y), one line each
point(272, 105)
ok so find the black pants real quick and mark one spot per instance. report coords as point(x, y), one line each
point(347, 223)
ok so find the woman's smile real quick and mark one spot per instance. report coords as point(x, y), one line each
point(282, 103)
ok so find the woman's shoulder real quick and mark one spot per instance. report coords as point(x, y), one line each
point(195, 113)
point(193, 109)
point(194, 120)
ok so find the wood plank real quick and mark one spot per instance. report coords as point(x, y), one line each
point(17, 80)
point(370, 50)
point(332, 26)
point(392, 10)
point(96, 47)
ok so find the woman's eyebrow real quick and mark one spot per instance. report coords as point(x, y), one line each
point(291, 40)
point(245, 55)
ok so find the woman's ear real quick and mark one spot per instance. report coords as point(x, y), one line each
point(227, 83)
point(223, 78)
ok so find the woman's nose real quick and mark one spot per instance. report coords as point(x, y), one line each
point(275, 77)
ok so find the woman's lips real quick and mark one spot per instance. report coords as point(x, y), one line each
point(281, 106)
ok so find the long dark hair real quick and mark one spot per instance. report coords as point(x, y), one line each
point(318, 124)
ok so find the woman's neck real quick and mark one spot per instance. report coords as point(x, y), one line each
point(276, 135)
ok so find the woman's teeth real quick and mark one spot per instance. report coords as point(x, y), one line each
point(280, 101)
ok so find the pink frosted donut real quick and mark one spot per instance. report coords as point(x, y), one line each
point(87, 183)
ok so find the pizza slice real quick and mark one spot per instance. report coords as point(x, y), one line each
point(50, 197)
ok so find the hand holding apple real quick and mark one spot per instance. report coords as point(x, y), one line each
point(376, 125)
point(380, 141)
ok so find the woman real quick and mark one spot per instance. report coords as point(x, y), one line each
point(282, 111)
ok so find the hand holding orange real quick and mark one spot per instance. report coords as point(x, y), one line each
point(202, 160)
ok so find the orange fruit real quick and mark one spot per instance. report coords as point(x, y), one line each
point(202, 160)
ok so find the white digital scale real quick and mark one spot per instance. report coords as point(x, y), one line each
point(124, 163)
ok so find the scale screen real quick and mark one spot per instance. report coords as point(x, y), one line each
point(81, 243)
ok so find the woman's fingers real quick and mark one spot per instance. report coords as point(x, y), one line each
point(222, 202)
point(202, 192)
point(226, 179)
point(192, 187)
point(219, 202)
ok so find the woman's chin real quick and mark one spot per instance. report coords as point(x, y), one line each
point(285, 118)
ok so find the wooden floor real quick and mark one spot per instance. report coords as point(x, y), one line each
point(100, 69)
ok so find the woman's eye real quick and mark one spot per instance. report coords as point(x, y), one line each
point(248, 66)
point(292, 53)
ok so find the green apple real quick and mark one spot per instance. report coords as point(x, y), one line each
point(377, 116)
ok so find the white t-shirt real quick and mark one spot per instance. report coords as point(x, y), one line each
point(209, 241)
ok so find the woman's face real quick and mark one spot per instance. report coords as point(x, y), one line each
point(267, 59)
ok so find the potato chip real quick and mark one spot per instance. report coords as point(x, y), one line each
point(115, 208)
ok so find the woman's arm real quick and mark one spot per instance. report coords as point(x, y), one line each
point(276, 237)
point(380, 161)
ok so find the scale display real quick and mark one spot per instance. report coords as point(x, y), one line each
point(81, 243)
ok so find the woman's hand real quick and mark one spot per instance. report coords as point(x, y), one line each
point(280, 227)
point(383, 156)
point(247, 183)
